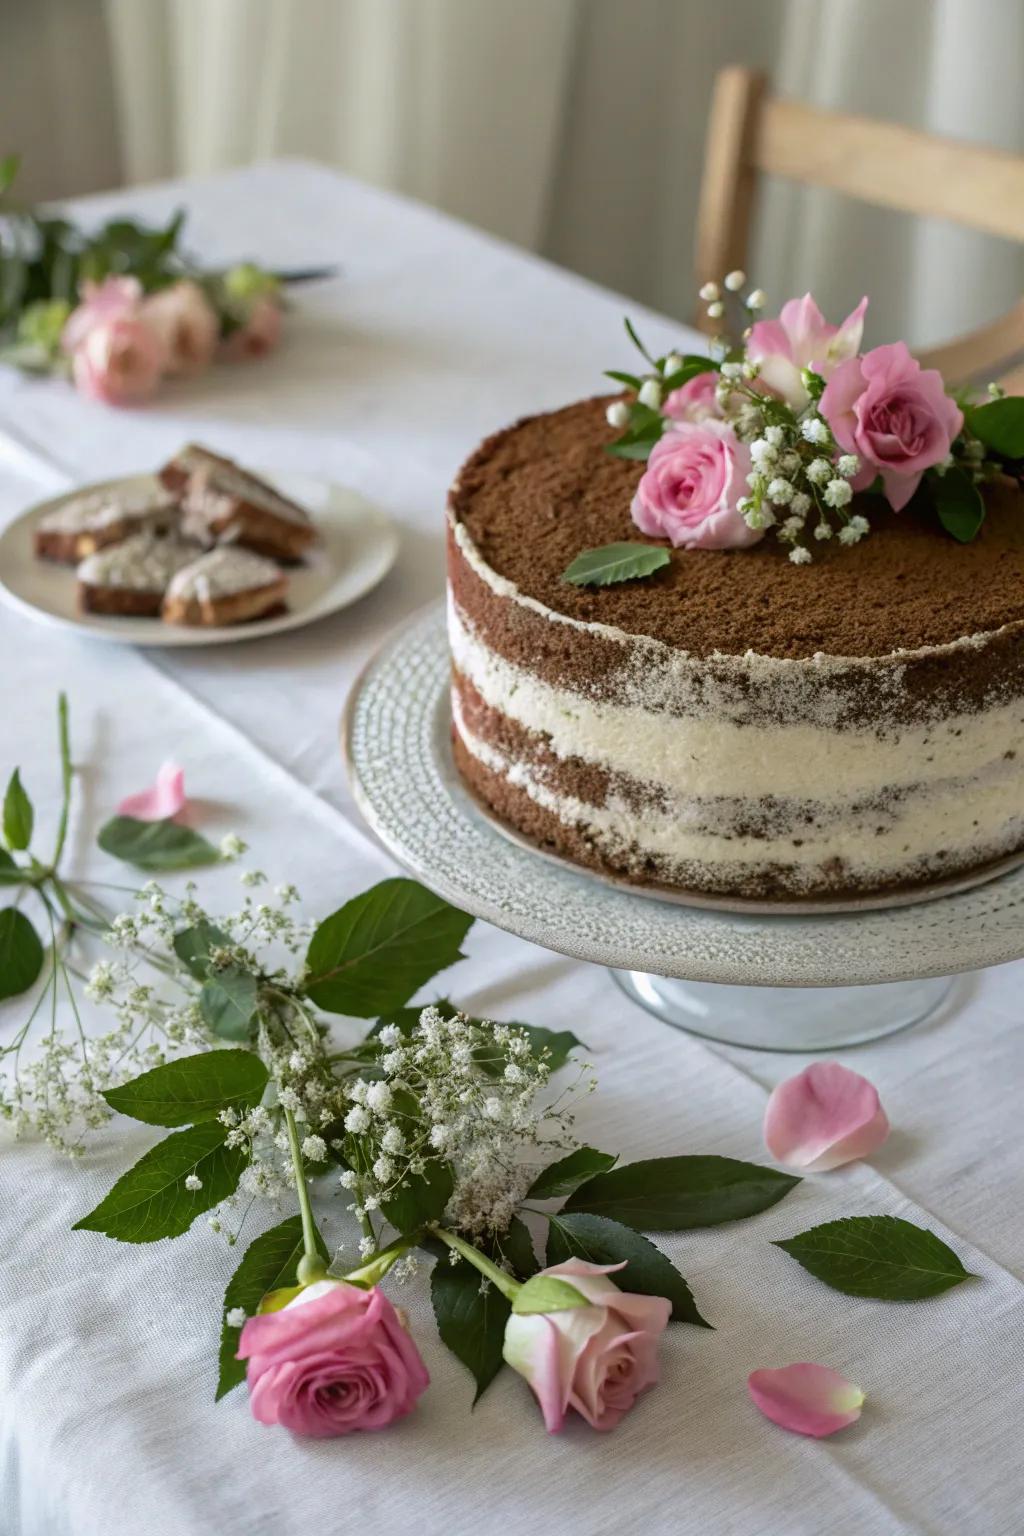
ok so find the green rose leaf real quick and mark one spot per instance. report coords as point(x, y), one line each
point(21, 954)
point(629, 379)
point(569, 1173)
point(576, 1234)
point(1000, 425)
point(613, 563)
point(421, 1199)
point(883, 1257)
point(155, 845)
point(959, 505)
point(10, 872)
point(151, 1201)
point(18, 815)
point(547, 1293)
point(228, 1001)
point(672, 1194)
point(269, 1264)
point(471, 1322)
point(516, 1245)
point(371, 955)
point(193, 946)
point(192, 1089)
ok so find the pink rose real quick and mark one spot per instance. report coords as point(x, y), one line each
point(119, 361)
point(597, 1358)
point(694, 400)
point(257, 335)
point(802, 338)
point(113, 299)
point(894, 414)
point(186, 324)
point(695, 475)
point(335, 1359)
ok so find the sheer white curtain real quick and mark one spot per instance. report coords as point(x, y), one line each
point(576, 126)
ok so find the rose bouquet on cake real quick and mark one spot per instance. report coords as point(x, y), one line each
point(776, 431)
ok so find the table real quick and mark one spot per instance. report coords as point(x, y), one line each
point(430, 336)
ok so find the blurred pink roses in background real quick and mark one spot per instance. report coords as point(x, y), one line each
point(334, 1360)
point(695, 475)
point(597, 1358)
point(894, 414)
point(121, 341)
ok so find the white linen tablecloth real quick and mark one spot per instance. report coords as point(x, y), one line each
point(431, 336)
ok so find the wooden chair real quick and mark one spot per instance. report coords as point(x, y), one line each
point(751, 132)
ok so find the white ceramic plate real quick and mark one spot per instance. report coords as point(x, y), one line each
point(397, 741)
point(358, 546)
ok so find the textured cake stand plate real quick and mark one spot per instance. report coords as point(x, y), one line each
point(358, 545)
point(397, 744)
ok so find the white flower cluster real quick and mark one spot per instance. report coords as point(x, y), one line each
point(459, 1091)
point(794, 486)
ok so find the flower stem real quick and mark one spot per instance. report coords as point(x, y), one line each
point(498, 1278)
point(376, 1268)
point(311, 1265)
point(65, 777)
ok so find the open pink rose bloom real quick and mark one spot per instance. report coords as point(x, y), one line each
point(823, 1117)
point(807, 1399)
point(695, 475)
point(802, 338)
point(334, 1360)
point(595, 1359)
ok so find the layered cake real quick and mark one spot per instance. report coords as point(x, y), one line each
point(739, 723)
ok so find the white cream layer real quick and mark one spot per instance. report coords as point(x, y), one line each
point(699, 758)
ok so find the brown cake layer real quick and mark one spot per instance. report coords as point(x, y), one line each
point(537, 494)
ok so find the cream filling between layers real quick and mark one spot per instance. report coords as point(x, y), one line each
point(701, 757)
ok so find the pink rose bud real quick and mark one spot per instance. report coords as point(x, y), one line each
point(894, 414)
point(802, 338)
point(257, 335)
point(695, 476)
point(807, 1399)
point(597, 1358)
point(694, 400)
point(187, 325)
point(823, 1117)
point(334, 1360)
point(118, 361)
point(113, 299)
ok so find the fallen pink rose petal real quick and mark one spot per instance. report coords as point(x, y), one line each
point(163, 799)
point(824, 1117)
point(808, 1399)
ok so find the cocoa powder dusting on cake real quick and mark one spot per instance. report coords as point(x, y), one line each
point(536, 495)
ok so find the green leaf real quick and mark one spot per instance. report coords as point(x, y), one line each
point(1000, 425)
point(8, 170)
point(629, 448)
point(150, 1201)
point(672, 1194)
point(958, 502)
point(18, 817)
point(882, 1257)
point(569, 1173)
point(576, 1234)
point(635, 339)
point(192, 1089)
point(270, 1262)
point(21, 954)
point(615, 562)
point(471, 1322)
point(629, 379)
point(228, 1001)
point(10, 872)
point(558, 1044)
point(193, 945)
point(371, 955)
point(547, 1293)
point(421, 1199)
point(516, 1245)
point(155, 845)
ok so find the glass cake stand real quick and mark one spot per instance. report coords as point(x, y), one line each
point(789, 979)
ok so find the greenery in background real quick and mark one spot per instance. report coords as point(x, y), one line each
point(446, 1131)
point(45, 259)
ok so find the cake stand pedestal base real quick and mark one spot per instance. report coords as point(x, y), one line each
point(786, 1018)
